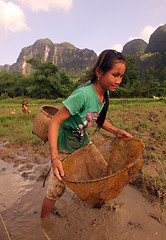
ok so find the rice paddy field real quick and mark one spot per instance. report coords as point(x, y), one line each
point(143, 118)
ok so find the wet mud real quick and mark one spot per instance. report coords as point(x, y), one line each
point(132, 215)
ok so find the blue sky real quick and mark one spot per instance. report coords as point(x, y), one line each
point(93, 24)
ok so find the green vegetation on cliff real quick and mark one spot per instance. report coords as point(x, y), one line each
point(50, 70)
point(65, 55)
point(151, 62)
point(134, 47)
point(157, 42)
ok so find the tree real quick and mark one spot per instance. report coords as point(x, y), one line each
point(36, 61)
point(13, 83)
point(66, 83)
point(163, 75)
point(132, 72)
point(49, 82)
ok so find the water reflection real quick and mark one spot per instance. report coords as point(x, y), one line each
point(12, 185)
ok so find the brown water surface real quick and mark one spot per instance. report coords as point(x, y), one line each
point(130, 216)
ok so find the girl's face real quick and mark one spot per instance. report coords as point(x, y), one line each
point(111, 79)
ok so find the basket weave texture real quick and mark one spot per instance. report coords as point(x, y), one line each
point(124, 158)
point(41, 121)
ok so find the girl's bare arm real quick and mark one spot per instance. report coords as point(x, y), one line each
point(118, 132)
point(55, 122)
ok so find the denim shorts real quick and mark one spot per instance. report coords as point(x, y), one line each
point(55, 188)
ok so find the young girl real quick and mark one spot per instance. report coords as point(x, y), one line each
point(86, 105)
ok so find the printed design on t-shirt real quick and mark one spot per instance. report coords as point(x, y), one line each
point(90, 118)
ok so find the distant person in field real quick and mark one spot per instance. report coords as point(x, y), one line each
point(25, 107)
point(86, 105)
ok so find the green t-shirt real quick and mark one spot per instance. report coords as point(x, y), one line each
point(84, 107)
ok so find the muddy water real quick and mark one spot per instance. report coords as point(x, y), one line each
point(130, 216)
point(12, 186)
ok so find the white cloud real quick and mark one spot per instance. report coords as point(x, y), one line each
point(117, 47)
point(12, 17)
point(145, 33)
point(46, 5)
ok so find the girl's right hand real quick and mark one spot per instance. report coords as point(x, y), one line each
point(57, 169)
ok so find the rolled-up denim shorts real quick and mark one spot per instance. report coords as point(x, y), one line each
point(55, 188)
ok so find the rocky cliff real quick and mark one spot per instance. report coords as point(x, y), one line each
point(157, 41)
point(75, 61)
point(66, 56)
point(138, 47)
point(152, 55)
point(134, 47)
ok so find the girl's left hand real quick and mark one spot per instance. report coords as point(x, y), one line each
point(121, 133)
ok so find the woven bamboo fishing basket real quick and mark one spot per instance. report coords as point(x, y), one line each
point(124, 158)
point(41, 121)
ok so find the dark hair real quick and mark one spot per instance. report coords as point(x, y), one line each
point(105, 62)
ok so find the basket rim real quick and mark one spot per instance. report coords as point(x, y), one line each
point(109, 176)
point(106, 177)
point(47, 114)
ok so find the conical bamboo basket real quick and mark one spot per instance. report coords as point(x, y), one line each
point(41, 121)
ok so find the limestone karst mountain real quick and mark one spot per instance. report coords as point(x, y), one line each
point(151, 56)
point(134, 47)
point(76, 61)
point(64, 55)
point(157, 41)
